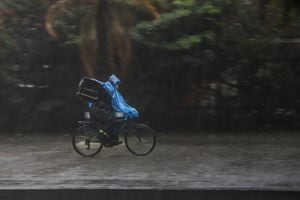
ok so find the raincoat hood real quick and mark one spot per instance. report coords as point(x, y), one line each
point(114, 80)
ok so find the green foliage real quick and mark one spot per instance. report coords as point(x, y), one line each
point(34, 71)
point(187, 42)
point(164, 33)
point(230, 45)
point(68, 23)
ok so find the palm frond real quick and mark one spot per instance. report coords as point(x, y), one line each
point(149, 6)
point(59, 7)
point(89, 44)
point(104, 40)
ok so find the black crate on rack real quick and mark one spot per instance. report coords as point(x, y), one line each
point(90, 89)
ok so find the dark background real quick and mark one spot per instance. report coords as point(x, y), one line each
point(186, 65)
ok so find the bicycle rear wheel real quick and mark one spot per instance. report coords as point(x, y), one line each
point(140, 140)
point(86, 141)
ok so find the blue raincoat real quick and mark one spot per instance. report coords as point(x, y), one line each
point(118, 102)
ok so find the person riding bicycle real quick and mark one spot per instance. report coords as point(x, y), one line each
point(110, 103)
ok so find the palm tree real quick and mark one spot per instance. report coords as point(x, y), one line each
point(105, 45)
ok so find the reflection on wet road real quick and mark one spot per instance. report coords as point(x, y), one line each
point(202, 162)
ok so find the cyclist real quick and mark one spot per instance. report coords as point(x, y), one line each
point(110, 103)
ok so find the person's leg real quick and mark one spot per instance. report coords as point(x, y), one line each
point(114, 131)
point(106, 116)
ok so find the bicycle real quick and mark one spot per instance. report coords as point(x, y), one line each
point(89, 139)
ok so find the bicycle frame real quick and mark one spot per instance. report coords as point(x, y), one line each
point(124, 127)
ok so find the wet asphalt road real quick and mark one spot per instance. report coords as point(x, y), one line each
point(206, 161)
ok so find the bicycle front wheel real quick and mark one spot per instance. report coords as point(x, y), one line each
point(140, 140)
point(86, 141)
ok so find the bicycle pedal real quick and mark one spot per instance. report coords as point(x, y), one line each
point(111, 144)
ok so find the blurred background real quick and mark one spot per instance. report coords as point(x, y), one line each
point(186, 65)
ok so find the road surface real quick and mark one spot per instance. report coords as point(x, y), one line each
point(204, 161)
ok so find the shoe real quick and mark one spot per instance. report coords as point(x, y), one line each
point(112, 143)
point(117, 142)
